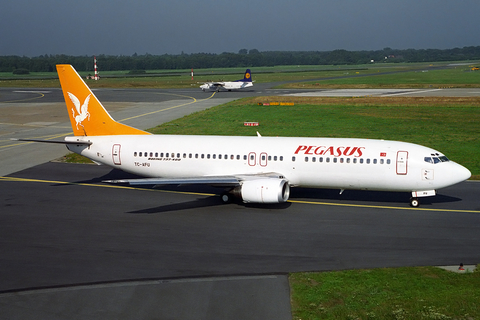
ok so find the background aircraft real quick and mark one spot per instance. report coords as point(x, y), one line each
point(230, 85)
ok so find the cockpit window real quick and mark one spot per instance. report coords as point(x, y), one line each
point(436, 160)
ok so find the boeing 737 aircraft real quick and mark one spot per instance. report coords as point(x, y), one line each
point(230, 85)
point(255, 169)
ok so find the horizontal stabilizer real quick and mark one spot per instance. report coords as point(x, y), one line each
point(54, 141)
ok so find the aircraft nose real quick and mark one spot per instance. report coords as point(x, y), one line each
point(461, 173)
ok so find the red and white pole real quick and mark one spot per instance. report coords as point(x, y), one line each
point(96, 70)
point(192, 73)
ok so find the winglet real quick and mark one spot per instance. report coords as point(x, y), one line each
point(87, 115)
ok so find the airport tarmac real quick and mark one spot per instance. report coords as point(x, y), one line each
point(62, 228)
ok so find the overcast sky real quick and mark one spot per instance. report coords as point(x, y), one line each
point(86, 27)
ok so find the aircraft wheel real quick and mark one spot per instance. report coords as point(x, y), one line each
point(226, 197)
point(414, 202)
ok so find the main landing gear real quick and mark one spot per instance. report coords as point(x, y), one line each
point(226, 197)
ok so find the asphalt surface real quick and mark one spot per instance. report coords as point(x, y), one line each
point(61, 226)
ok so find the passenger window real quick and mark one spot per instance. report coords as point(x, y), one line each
point(354, 160)
point(281, 158)
point(334, 160)
point(208, 156)
point(381, 161)
point(361, 160)
point(135, 154)
point(314, 159)
point(388, 161)
point(293, 158)
point(214, 156)
point(203, 156)
point(348, 160)
point(306, 159)
point(374, 161)
point(244, 157)
point(341, 160)
point(327, 160)
point(368, 161)
point(320, 159)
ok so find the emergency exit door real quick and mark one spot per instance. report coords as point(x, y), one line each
point(402, 162)
point(116, 154)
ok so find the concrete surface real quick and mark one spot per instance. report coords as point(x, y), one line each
point(255, 297)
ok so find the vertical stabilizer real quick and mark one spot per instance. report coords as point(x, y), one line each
point(247, 77)
point(87, 115)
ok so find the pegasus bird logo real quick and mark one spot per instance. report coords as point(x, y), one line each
point(81, 110)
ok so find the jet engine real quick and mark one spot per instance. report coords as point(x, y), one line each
point(263, 191)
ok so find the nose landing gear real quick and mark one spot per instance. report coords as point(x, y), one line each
point(414, 202)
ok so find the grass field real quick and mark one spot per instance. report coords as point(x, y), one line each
point(460, 77)
point(371, 76)
point(395, 293)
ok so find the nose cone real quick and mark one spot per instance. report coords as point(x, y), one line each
point(460, 173)
point(464, 173)
point(450, 173)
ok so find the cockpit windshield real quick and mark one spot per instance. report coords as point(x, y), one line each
point(436, 159)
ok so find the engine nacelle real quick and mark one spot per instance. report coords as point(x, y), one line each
point(264, 191)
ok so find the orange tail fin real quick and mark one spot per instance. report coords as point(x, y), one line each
point(87, 115)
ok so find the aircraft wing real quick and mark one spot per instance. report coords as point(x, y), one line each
point(224, 181)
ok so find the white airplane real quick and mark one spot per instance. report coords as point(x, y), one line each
point(230, 85)
point(255, 169)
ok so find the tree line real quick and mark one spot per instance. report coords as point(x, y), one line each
point(244, 58)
